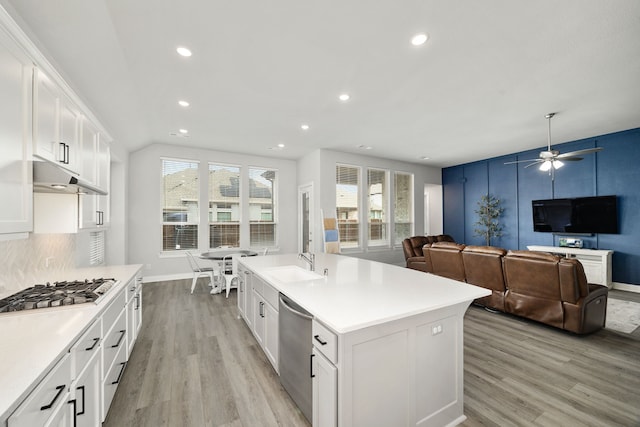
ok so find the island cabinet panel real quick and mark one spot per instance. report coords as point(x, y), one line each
point(325, 391)
point(265, 318)
point(403, 373)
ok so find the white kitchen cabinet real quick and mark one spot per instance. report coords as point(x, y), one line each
point(85, 392)
point(134, 312)
point(96, 164)
point(242, 300)
point(325, 391)
point(16, 215)
point(47, 404)
point(55, 124)
point(265, 318)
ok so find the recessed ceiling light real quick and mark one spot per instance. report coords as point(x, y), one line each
point(183, 131)
point(364, 147)
point(183, 103)
point(424, 158)
point(419, 39)
point(281, 145)
point(344, 97)
point(304, 127)
point(183, 51)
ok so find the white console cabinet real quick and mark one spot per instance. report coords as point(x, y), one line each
point(596, 262)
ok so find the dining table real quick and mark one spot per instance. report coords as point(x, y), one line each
point(221, 257)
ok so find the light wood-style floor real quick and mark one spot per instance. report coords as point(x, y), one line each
point(197, 364)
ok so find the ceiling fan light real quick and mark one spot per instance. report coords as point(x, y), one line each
point(545, 166)
point(557, 164)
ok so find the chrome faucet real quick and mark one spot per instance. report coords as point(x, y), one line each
point(311, 259)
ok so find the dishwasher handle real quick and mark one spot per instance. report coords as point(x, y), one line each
point(286, 305)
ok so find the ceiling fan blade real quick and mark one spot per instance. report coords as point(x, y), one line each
point(578, 153)
point(571, 159)
point(536, 163)
point(522, 161)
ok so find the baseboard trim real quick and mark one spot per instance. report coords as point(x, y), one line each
point(166, 277)
point(626, 287)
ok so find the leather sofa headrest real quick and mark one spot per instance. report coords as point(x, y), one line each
point(542, 256)
point(488, 250)
point(448, 246)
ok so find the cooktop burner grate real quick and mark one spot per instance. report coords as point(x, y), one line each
point(57, 294)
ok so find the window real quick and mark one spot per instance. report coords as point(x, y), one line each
point(378, 196)
point(347, 194)
point(262, 207)
point(96, 248)
point(224, 206)
point(180, 205)
point(403, 207)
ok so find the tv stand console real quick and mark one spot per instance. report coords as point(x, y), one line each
point(596, 263)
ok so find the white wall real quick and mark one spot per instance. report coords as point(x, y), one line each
point(319, 168)
point(144, 204)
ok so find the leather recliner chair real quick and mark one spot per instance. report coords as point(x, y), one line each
point(413, 250)
point(445, 259)
point(554, 291)
point(483, 267)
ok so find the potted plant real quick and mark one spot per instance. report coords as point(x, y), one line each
point(488, 224)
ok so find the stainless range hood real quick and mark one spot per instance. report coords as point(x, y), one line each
point(49, 177)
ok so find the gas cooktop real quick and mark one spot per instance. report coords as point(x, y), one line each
point(57, 294)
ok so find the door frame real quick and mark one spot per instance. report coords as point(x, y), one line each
point(302, 189)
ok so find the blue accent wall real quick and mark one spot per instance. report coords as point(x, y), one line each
point(614, 170)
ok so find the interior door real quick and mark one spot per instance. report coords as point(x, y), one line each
point(305, 219)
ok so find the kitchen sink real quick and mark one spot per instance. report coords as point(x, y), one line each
point(291, 274)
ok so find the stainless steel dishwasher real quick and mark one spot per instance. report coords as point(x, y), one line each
point(295, 353)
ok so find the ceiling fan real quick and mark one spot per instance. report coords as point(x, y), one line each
point(552, 159)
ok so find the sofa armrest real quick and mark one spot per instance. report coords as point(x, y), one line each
point(589, 313)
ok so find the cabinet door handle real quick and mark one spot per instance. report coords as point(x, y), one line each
point(137, 301)
point(62, 152)
point(81, 388)
point(75, 418)
point(261, 309)
point(311, 366)
point(66, 154)
point(317, 338)
point(122, 334)
point(60, 389)
point(120, 374)
point(95, 343)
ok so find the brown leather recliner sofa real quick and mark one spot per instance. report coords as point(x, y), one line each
point(539, 286)
point(412, 247)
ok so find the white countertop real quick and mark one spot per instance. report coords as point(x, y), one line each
point(359, 293)
point(32, 341)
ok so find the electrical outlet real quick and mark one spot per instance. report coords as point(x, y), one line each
point(437, 329)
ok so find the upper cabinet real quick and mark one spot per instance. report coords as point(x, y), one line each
point(15, 139)
point(55, 124)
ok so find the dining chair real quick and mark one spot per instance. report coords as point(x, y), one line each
point(231, 274)
point(199, 271)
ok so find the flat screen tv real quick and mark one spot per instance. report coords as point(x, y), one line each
point(581, 215)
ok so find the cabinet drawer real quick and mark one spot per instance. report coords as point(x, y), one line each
point(111, 380)
point(116, 339)
point(86, 347)
point(113, 311)
point(43, 402)
point(325, 341)
point(257, 284)
point(270, 295)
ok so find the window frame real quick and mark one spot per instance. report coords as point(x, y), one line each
point(275, 208)
point(384, 209)
point(342, 230)
point(397, 241)
point(213, 223)
point(188, 223)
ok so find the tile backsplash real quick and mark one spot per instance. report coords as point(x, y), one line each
point(22, 261)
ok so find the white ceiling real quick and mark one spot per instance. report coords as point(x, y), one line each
point(480, 87)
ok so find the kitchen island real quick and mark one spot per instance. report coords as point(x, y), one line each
point(387, 340)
